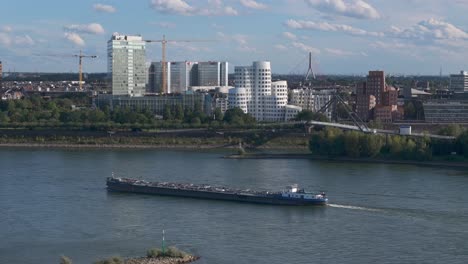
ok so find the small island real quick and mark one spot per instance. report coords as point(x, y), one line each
point(171, 255)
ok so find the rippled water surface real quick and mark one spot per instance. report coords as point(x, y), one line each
point(54, 202)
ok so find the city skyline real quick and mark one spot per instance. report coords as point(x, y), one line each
point(345, 36)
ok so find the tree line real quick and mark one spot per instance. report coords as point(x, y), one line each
point(37, 111)
point(336, 143)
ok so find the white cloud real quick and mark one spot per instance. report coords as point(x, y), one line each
point(93, 28)
point(432, 36)
point(164, 24)
point(305, 47)
point(74, 38)
point(181, 7)
point(350, 8)
point(5, 39)
point(430, 30)
point(325, 26)
point(253, 4)
point(24, 40)
point(172, 7)
point(104, 8)
point(391, 45)
point(240, 40)
point(339, 52)
point(289, 35)
point(280, 47)
point(7, 29)
point(229, 11)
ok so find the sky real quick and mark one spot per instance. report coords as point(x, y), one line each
point(413, 37)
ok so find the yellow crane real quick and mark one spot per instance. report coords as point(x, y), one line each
point(80, 57)
point(164, 42)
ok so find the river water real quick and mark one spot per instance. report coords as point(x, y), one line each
point(54, 202)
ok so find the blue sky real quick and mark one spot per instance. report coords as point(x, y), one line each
point(345, 36)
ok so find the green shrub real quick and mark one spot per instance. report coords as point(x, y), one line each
point(112, 260)
point(174, 252)
point(65, 260)
point(154, 253)
point(171, 252)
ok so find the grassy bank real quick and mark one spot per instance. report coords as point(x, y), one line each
point(153, 141)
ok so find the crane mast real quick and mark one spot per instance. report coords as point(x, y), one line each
point(80, 66)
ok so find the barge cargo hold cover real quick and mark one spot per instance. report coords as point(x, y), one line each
point(291, 196)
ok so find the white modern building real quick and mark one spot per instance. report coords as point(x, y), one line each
point(313, 100)
point(459, 82)
point(126, 64)
point(257, 95)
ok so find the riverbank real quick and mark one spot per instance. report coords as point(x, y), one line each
point(179, 139)
point(140, 146)
point(450, 164)
point(110, 146)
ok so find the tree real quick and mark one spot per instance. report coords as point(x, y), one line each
point(461, 144)
point(167, 114)
point(371, 145)
point(341, 111)
point(196, 121)
point(235, 116)
point(307, 115)
point(454, 130)
point(188, 114)
point(328, 142)
point(218, 114)
point(376, 124)
point(396, 145)
point(232, 113)
point(179, 112)
point(96, 116)
point(4, 118)
point(410, 111)
point(351, 143)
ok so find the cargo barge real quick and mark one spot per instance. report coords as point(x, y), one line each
point(292, 195)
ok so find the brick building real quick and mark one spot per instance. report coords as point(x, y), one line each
point(375, 100)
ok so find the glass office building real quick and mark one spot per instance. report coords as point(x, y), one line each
point(126, 65)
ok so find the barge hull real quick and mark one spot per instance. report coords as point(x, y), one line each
point(236, 197)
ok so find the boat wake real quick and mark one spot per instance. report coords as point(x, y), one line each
point(351, 207)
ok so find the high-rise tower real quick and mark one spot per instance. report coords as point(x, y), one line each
point(126, 64)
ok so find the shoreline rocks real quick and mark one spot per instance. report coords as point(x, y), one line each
point(145, 260)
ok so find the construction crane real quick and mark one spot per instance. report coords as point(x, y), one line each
point(80, 63)
point(81, 56)
point(164, 42)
